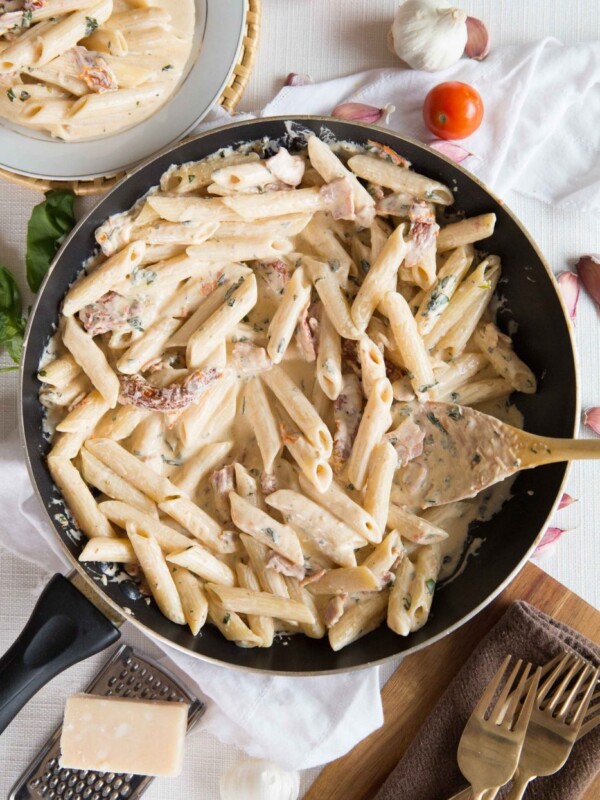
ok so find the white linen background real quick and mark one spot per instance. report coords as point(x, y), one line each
point(357, 42)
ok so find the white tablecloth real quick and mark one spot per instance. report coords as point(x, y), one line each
point(326, 38)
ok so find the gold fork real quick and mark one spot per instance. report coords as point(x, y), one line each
point(554, 725)
point(555, 668)
point(489, 749)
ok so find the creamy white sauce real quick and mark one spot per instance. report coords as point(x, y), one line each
point(456, 519)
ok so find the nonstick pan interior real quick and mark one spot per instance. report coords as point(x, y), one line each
point(542, 339)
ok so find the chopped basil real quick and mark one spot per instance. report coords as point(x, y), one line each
point(191, 178)
point(430, 584)
point(10, 94)
point(172, 462)
point(167, 67)
point(455, 413)
point(24, 96)
point(271, 534)
point(135, 323)
point(226, 619)
point(233, 287)
point(91, 24)
point(435, 422)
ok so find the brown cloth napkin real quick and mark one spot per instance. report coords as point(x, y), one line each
point(428, 770)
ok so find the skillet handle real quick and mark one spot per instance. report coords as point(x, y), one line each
point(64, 628)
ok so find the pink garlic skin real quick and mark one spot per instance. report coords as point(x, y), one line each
point(359, 112)
point(549, 539)
point(298, 79)
point(588, 269)
point(478, 39)
point(450, 150)
point(565, 501)
point(568, 283)
point(591, 418)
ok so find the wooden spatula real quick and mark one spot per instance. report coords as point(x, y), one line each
point(464, 451)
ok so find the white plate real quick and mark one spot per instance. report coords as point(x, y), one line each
point(216, 47)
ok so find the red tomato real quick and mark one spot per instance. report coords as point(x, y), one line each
point(453, 110)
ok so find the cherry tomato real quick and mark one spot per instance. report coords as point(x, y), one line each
point(453, 110)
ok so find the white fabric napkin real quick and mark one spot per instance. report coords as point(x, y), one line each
point(540, 137)
point(296, 722)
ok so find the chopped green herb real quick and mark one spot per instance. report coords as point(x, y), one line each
point(233, 287)
point(173, 462)
point(455, 413)
point(365, 265)
point(10, 94)
point(135, 323)
point(167, 67)
point(26, 19)
point(24, 96)
point(191, 178)
point(430, 584)
point(42, 373)
point(226, 619)
point(271, 534)
point(91, 24)
point(407, 603)
point(435, 422)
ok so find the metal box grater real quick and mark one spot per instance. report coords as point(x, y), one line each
point(126, 674)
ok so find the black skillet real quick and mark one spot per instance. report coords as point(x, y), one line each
point(66, 627)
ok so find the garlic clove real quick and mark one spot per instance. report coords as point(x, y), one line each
point(298, 79)
point(429, 34)
point(565, 501)
point(568, 283)
point(549, 539)
point(360, 112)
point(588, 269)
point(591, 418)
point(450, 149)
point(259, 779)
point(478, 39)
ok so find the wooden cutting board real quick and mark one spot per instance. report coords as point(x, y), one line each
point(359, 774)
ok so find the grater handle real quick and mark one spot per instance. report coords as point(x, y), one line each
point(64, 628)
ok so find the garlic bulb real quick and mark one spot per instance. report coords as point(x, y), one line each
point(259, 780)
point(429, 34)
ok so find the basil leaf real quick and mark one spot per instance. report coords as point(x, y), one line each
point(12, 323)
point(51, 220)
point(10, 296)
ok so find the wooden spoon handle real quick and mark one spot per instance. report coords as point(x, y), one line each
point(537, 450)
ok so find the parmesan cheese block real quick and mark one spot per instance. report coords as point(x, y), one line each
point(118, 734)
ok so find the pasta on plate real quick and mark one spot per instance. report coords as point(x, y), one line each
point(229, 383)
point(80, 69)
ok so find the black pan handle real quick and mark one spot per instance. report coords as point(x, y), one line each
point(64, 628)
